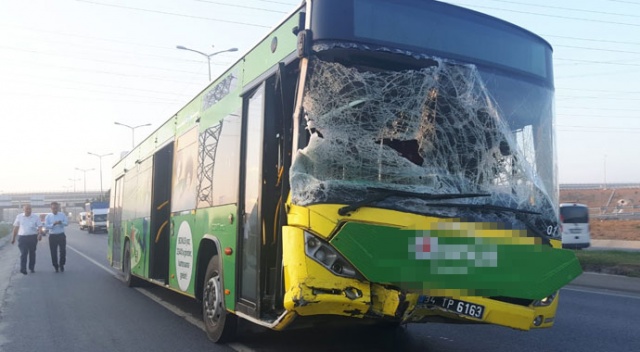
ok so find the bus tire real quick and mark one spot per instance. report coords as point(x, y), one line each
point(220, 325)
point(129, 279)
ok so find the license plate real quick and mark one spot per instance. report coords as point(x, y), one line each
point(453, 305)
point(575, 230)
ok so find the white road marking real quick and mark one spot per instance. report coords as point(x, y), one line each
point(172, 308)
point(600, 291)
point(107, 269)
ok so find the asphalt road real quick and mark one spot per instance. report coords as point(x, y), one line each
point(88, 308)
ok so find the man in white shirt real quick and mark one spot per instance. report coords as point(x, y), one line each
point(55, 223)
point(26, 227)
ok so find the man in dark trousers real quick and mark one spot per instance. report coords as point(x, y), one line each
point(26, 227)
point(55, 222)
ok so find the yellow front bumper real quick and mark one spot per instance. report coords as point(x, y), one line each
point(311, 289)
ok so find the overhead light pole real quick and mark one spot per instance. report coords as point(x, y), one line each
point(133, 128)
point(208, 56)
point(74, 183)
point(100, 157)
point(84, 171)
point(605, 171)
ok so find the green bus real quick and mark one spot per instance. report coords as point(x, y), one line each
point(371, 161)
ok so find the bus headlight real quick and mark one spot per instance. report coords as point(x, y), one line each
point(327, 256)
point(545, 302)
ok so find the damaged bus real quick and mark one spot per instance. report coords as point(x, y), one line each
point(368, 161)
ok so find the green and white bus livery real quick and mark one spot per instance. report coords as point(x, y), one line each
point(374, 161)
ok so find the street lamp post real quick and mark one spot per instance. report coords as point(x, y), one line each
point(605, 171)
point(74, 183)
point(133, 128)
point(100, 157)
point(208, 56)
point(84, 171)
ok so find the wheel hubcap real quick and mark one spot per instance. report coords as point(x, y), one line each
point(212, 300)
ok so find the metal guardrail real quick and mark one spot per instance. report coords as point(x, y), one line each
point(598, 185)
point(617, 216)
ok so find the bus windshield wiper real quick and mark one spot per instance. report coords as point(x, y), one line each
point(484, 207)
point(386, 193)
point(519, 215)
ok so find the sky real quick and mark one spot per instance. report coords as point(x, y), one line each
point(70, 69)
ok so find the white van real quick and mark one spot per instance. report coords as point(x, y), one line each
point(82, 220)
point(574, 225)
point(97, 220)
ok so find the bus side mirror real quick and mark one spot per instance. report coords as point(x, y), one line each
point(304, 43)
point(302, 17)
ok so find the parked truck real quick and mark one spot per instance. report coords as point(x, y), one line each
point(97, 216)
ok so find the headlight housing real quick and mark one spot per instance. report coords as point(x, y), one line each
point(545, 302)
point(325, 255)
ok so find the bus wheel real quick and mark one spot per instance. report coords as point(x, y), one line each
point(129, 279)
point(219, 324)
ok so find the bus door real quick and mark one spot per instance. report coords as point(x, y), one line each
point(116, 225)
point(250, 233)
point(263, 190)
point(160, 214)
point(265, 109)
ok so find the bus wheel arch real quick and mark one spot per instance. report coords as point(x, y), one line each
point(220, 325)
point(208, 248)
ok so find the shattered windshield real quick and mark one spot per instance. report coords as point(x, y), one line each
point(444, 129)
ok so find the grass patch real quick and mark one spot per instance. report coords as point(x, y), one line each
point(610, 262)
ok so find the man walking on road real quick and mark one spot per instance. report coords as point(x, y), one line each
point(26, 228)
point(55, 223)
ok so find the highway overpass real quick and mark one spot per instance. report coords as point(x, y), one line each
point(71, 202)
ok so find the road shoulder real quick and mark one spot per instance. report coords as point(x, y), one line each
point(607, 282)
point(9, 256)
